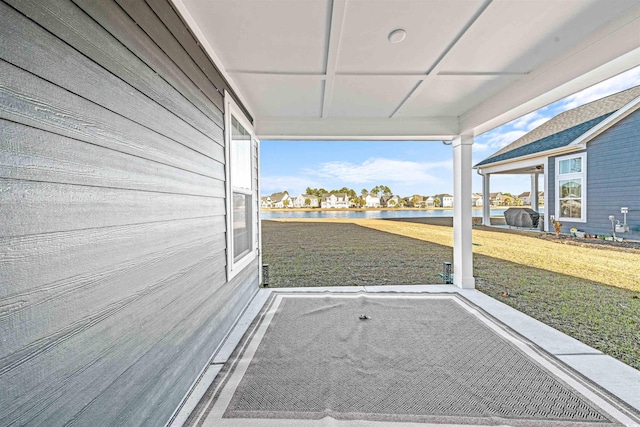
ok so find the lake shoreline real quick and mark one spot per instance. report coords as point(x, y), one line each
point(370, 213)
point(377, 209)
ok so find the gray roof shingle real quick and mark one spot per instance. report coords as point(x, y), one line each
point(555, 132)
point(557, 140)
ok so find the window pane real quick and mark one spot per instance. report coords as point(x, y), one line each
point(571, 208)
point(571, 165)
point(570, 188)
point(241, 225)
point(240, 155)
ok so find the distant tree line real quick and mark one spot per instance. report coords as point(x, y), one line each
point(378, 190)
point(354, 198)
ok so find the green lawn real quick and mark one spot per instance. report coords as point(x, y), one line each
point(603, 312)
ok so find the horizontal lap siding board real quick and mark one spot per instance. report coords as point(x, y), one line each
point(92, 82)
point(613, 178)
point(32, 101)
point(35, 155)
point(112, 239)
point(143, 65)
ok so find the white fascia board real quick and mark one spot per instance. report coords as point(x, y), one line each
point(606, 123)
point(613, 49)
point(197, 32)
point(398, 129)
point(506, 166)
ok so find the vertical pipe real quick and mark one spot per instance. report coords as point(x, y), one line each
point(486, 200)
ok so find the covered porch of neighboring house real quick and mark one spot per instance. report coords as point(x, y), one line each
point(535, 169)
point(131, 246)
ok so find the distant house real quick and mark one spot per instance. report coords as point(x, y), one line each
point(429, 202)
point(525, 197)
point(496, 199)
point(265, 202)
point(306, 201)
point(280, 200)
point(476, 199)
point(337, 200)
point(372, 201)
point(446, 200)
point(389, 201)
point(589, 157)
point(415, 201)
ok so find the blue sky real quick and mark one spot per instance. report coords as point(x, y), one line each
point(407, 167)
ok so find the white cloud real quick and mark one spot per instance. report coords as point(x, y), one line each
point(524, 122)
point(497, 139)
point(615, 84)
point(381, 171)
point(292, 184)
point(538, 122)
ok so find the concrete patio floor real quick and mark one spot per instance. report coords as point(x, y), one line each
point(602, 371)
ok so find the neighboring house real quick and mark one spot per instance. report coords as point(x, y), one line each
point(372, 201)
point(281, 200)
point(446, 200)
point(337, 200)
point(265, 202)
point(415, 201)
point(476, 199)
point(429, 202)
point(306, 201)
point(496, 199)
point(541, 197)
point(589, 156)
point(389, 201)
point(525, 197)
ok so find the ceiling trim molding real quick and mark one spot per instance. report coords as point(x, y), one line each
point(393, 76)
point(357, 129)
point(335, 37)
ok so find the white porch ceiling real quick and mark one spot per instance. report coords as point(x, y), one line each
point(325, 69)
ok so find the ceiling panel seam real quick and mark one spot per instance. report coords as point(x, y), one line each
point(338, 8)
point(437, 65)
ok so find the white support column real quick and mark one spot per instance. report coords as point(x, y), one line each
point(486, 199)
point(547, 214)
point(535, 205)
point(462, 213)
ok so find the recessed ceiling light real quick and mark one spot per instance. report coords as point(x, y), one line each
point(396, 36)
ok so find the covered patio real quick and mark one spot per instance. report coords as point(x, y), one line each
point(130, 247)
point(412, 70)
point(391, 70)
point(432, 355)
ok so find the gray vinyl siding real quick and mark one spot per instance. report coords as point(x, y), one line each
point(113, 291)
point(613, 179)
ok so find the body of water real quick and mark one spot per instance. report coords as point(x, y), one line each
point(374, 214)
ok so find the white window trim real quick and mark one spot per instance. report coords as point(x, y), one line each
point(235, 267)
point(582, 175)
